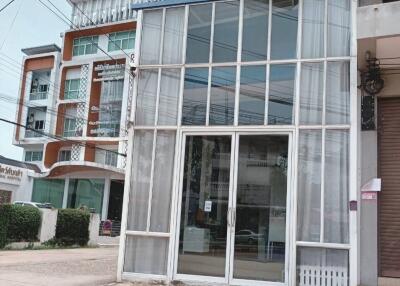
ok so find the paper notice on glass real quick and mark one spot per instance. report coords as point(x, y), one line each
point(207, 206)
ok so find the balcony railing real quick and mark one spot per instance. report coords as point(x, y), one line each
point(38, 95)
point(33, 133)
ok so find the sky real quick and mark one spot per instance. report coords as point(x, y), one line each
point(23, 24)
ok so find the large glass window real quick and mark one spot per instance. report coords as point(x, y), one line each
point(199, 34)
point(281, 94)
point(71, 89)
point(85, 46)
point(151, 37)
point(313, 28)
point(86, 193)
point(255, 30)
point(252, 95)
point(169, 97)
point(147, 97)
point(222, 98)
point(339, 28)
point(284, 29)
point(48, 191)
point(33, 156)
point(195, 96)
point(226, 31)
point(173, 36)
point(309, 186)
point(311, 93)
point(121, 40)
point(110, 108)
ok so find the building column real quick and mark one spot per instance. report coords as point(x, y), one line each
point(65, 197)
point(106, 196)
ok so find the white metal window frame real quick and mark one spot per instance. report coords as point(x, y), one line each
point(93, 40)
point(115, 44)
point(69, 127)
point(352, 246)
point(62, 153)
point(31, 156)
point(68, 90)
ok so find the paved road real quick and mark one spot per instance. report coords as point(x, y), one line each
point(61, 267)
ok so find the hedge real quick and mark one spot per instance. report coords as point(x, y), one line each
point(72, 227)
point(18, 223)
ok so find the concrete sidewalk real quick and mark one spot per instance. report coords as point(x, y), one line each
point(61, 267)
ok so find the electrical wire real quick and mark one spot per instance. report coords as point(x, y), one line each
point(11, 26)
point(80, 143)
point(5, 6)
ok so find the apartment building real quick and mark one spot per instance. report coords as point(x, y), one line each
point(74, 104)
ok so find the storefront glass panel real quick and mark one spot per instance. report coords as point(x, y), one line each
point(169, 97)
point(252, 95)
point(260, 229)
point(205, 202)
point(86, 193)
point(173, 35)
point(147, 97)
point(339, 24)
point(195, 96)
point(313, 43)
point(48, 191)
point(199, 34)
point(281, 94)
point(255, 30)
point(151, 38)
point(226, 28)
point(284, 29)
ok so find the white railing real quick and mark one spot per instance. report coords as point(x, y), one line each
point(38, 95)
point(311, 275)
point(97, 12)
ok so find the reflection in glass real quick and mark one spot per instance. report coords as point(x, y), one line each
point(338, 28)
point(255, 30)
point(336, 211)
point(48, 191)
point(146, 97)
point(260, 229)
point(86, 192)
point(252, 95)
point(284, 29)
point(162, 181)
point(205, 197)
point(313, 29)
point(147, 255)
point(195, 96)
point(222, 98)
point(226, 27)
point(140, 180)
point(338, 93)
point(281, 94)
point(199, 34)
point(309, 186)
point(173, 35)
point(151, 37)
point(110, 108)
point(311, 93)
point(169, 97)
point(333, 264)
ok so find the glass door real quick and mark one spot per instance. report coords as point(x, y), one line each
point(205, 205)
point(259, 208)
point(233, 208)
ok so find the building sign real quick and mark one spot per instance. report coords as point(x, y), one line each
point(109, 72)
point(146, 4)
point(10, 175)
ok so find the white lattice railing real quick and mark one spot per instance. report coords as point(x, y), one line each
point(323, 276)
point(96, 12)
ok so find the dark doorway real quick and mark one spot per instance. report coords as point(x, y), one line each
point(115, 200)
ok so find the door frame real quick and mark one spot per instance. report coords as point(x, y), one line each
point(290, 214)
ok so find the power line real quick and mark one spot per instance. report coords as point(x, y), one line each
point(5, 6)
point(80, 143)
point(12, 24)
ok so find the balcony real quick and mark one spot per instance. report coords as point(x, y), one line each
point(38, 95)
point(35, 133)
point(97, 12)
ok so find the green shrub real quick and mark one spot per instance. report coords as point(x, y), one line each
point(72, 227)
point(24, 223)
point(5, 211)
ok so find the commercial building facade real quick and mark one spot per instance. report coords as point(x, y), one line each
point(73, 108)
point(242, 169)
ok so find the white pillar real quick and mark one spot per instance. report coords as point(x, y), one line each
point(106, 196)
point(65, 197)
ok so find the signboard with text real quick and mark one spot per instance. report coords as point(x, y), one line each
point(10, 174)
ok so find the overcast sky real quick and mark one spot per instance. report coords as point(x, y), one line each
point(25, 23)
